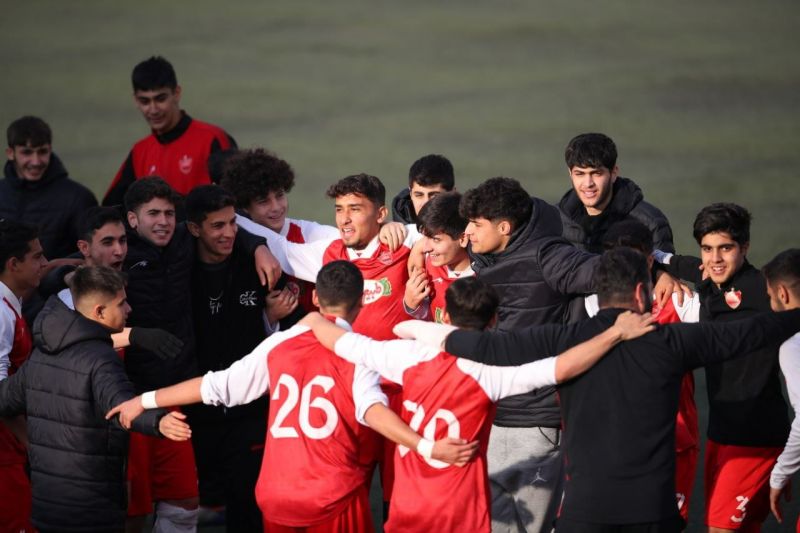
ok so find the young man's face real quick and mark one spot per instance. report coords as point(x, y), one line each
point(154, 221)
point(27, 272)
point(160, 108)
point(593, 186)
point(115, 312)
point(722, 256)
point(487, 237)
point(421, 194)
point(108, 247)
point(270, 211)
point(215, 235)
point(30, 162)
point(443, 250)
point(358, 219)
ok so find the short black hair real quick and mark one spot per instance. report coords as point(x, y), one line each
point(29, 130)
point(432, 169)
point(95, 218)
point(152, 74)
point(206, 199)
point(15, 240)
point(362, 184)
point(784, 268)
point(95, 279)
point(618, 273)
point(252, 174)
point(593, 150)
point(498, 199)
point(440, 215)
point(723, 218)
point(471, 303)
point(145, 189)
point(339, 283)
point(630, 234)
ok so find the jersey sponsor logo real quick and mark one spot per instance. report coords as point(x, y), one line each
point(733, 298)
point(185, 164)
point(248, 299)
point(438, 315)
point(375, 289)
point(385, 258)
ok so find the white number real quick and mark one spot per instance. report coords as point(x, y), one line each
point(453, 427)
point(743, 500)
point(279, 431)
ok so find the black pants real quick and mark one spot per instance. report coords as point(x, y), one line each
point(670, 525)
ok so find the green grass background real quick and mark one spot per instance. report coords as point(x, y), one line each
point(702, 98)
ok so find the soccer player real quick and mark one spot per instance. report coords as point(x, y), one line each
point(178, 147)
point(319, 455)
point(446, 259)
point(748, 421)
point(37, 189)
point(261, 183)
point(22, 262)
point(783, 284)
point(444, 396)
point(429, 175)
point(600, 196)
point(619, 417)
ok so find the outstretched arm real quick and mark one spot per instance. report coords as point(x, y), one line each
point(184, 393)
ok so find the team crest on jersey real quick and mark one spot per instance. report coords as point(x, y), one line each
point(375, 289)
point(385, 258)
point(153, 170)
point(185, 164)
point(733, 298)
point(293, 287)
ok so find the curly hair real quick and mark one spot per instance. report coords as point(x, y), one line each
point(252, 174)
point(495, 199)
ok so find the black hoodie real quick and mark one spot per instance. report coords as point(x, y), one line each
point(54, 203)
point(403, 208)
point(77, 457)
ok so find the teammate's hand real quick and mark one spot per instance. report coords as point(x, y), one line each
point(456, 452)
point(631, 325)
point(162, 343)
point(417, 289)
point(393, 234)
point(665, 286)
point(267, 267)
point(127, 411)
point(775, 500)
point(430, 333)
point(173, 427)
point(280, 304)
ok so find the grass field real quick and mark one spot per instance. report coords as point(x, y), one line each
point(703, 99)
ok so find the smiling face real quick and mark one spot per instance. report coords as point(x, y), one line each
point(594, 186)
point(358, 219)
point(722, 256)
point(270, 210)
point(108, 247)
point(154, 221)
point(215, 235)
point(443, 250)
point(30, 162)
point(487, 237)
point(160, 108)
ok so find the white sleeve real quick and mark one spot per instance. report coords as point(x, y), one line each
point(302, 261)
point(501, 381)
point(245, 380)
point(413, 235)
point(6, 343)
point(314, 231)
point(388, 358)
point(431, 333)
point(591, 304)
point(789, 460)
point(690, 310)
point(366, 391)
point(662, 257)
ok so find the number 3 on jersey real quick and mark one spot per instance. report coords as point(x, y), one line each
point(331, 417)
point(453, 427)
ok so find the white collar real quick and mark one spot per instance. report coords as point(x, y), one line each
point(455, 274)
point(368, 251)
point(344, 324)
point(15, 302)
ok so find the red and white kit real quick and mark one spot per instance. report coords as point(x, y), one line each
point(300, 232)
point(442, 397)
point(440, 278)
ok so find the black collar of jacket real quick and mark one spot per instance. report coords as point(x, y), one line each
point(55, 171)
point(709, 287)
point(179, 129)
point(57, 327)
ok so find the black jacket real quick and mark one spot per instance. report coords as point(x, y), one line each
point(627, 202)
point(535, 276)
point(55, 204)
point(403, 208)
point(619, 417)
point(72, 378)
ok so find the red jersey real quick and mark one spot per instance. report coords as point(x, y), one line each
point(440, 278)
point(180, 156)
point(11, 450)
point(301, 288)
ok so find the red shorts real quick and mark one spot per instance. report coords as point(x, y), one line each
point(737, 485)
point(15, 499)
point(355, 518)
point(685, 467)
point(159, 469)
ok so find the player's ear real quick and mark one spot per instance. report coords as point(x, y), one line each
point(133, 220)
point(382, 214)
point(194, 229)
point(504, 227)
point(314, 299)
point(745, 247)
point(446, 317)
point(492, 322)
point(463, 241)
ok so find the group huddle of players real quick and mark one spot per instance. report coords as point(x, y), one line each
point(508, 364)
